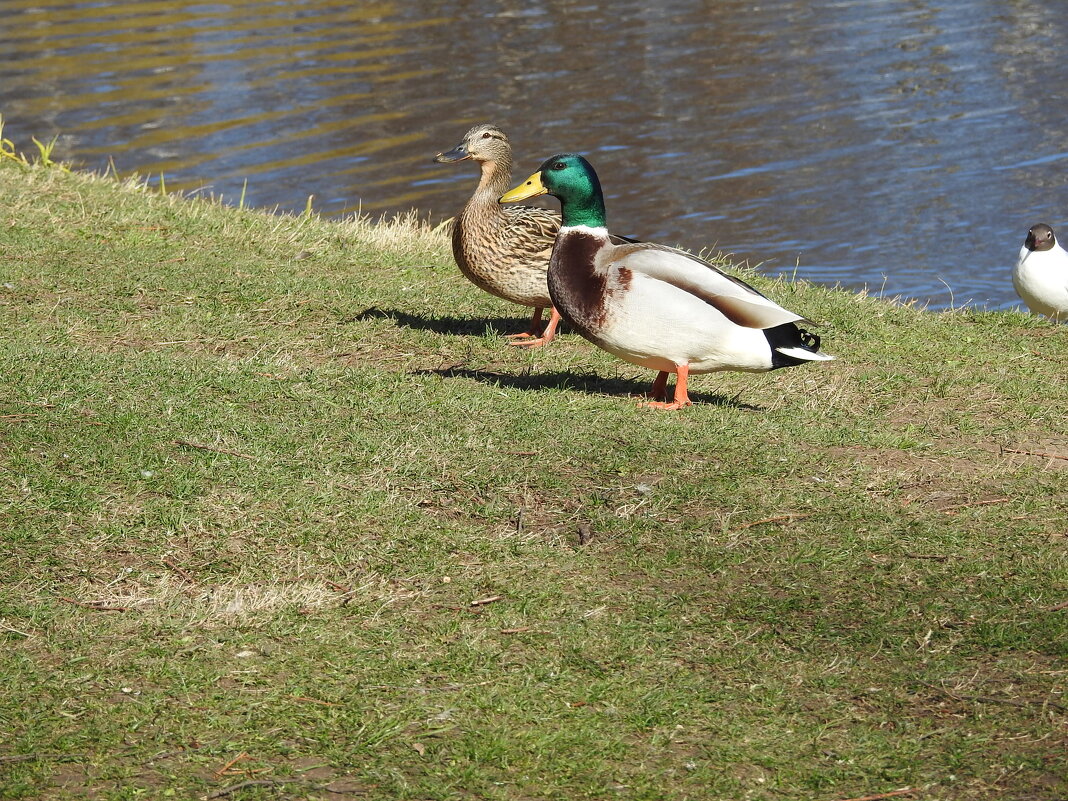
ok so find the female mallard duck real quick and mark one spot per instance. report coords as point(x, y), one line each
point(503, 250)
point(655, 306)
point(1041, 274)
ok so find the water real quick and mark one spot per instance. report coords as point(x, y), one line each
point(899, 145)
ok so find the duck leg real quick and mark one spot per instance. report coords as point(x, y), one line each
point(546, 337)
point(659, 390)
point(681, 398)
point(530, 333)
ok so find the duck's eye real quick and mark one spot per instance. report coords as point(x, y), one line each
point(487, 135)
point(559, 166)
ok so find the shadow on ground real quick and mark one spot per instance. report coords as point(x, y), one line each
point(586, 382)
point(470, 326)
point(589, 383)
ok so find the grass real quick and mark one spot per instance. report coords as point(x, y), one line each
point(255, 472)
point(42, 158)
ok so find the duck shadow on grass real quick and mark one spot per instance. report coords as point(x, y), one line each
point(469, 326)
point(589, 383)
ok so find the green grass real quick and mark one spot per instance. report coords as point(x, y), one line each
point(820, 583)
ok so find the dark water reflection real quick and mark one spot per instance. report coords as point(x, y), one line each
point(896, 144)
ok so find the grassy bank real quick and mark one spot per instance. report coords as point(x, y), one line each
point(273, 490)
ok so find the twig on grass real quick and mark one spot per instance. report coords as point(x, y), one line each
point(178, 569)
point(187, 444)
point(989, 699)
point(1043, 454)
point(231, 763)
point(6, 627)
point(879, 796)
point(779, 519)
point(96, 606)
point(1058, 607)
point(491, 599)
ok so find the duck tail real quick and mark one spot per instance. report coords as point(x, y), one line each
point(791, 346)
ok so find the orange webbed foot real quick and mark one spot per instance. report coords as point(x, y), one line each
point(672, 406)
point(530, 339)
point(659, 391)
point(536, 342)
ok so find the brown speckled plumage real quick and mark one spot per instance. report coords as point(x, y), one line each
point(503, 250)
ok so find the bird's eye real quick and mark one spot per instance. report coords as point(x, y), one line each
point(559, 166)
point(487, 135)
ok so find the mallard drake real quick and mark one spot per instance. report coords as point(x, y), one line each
point(652, 305)
point(503, 250)
point(1041, 274)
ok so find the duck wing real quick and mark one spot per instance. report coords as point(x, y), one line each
point(733, 297)
point(531, 231)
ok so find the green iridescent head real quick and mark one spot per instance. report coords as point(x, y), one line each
point(570, 178)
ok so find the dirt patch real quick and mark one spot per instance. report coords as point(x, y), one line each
point(914, 463)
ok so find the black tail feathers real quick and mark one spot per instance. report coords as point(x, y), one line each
point(788, 337)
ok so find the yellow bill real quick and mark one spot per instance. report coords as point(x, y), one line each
point(532, 187)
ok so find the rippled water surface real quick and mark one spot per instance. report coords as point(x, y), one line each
point(901, 145)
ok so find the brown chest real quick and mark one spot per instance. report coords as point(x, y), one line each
point(581, 289)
